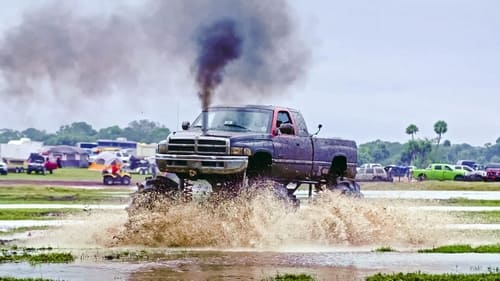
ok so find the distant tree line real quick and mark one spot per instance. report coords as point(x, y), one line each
point(140, 130)
point(421, 152)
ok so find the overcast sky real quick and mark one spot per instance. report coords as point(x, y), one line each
point(375, 68)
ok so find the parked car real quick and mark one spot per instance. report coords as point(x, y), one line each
point(370, 165)
point(138, 166)
point(123, 155)
point(470, 173)
point(3, 168)
point(469, 163)
point(492, 171)
point(439, 171)
point(15, 165)
point(372, 174)
point(37, 164)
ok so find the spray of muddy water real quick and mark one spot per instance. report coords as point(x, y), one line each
point(261, 221)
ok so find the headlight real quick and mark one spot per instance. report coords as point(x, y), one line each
point(162, 147)
point(241, 151)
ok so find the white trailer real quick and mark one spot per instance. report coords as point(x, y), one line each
point(16, 152)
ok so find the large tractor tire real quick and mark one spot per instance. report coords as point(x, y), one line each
point(347, 187)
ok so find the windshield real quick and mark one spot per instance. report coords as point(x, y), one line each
point(234, 119)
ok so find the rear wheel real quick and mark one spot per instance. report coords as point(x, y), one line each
point(422, 177)
point(126, 180)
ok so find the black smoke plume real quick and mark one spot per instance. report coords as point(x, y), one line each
point(75, 55)
point(219, 44)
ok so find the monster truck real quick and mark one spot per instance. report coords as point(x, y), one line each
point(228, 146)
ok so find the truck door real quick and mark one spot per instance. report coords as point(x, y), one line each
point(437, 173)
point(292, 152)
point(448, 173)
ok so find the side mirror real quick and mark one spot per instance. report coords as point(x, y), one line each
point(287, 129)
point(319, 129)
point(185, 125)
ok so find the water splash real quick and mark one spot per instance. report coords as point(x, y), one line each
point(260, 221)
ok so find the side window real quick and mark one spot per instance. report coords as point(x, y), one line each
point(438, 167)
point(447, 168)
point(369, 171)
point(283, 118)
point(300, 124)
point(379, 171)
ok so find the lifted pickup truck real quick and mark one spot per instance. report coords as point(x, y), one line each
point(226, 145)
point(439, 172)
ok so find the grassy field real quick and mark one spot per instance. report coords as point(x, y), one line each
point(59, 174)
point(34, 257)
point(492, 276)
point(35, 214)
point(469, 202)
point(480, 217)
point(454, 249)
point(35, 194)
point(432, 185)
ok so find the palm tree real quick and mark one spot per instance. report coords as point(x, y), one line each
point(440, 128)
point(412, 130)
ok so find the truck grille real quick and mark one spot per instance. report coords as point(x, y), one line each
point(201, 145)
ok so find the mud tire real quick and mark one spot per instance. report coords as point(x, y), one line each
point(346, 187)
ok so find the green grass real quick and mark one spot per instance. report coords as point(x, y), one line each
point(59, 174)
point(417, 276)
point(455, 249)
point(479, 217)
point(468, 202)
point(35, 214)
point(38, 258)
point(34, 194)
point(33, 256)
point(385, 249)
point(10, 278)
point(290, 277)
point(23, 229)
point(432, 185)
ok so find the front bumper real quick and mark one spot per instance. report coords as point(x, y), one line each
point(195, 165)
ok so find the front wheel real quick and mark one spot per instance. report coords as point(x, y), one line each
point(347, 187)
point(108, 180)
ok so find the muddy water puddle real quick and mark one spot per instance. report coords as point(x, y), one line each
point(251, 265)
point(332, 238)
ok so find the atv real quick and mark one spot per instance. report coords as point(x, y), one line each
point(121, 178)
